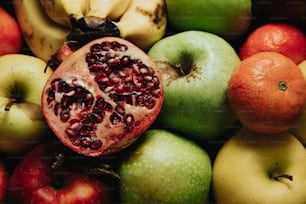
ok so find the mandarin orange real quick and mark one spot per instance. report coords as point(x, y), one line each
point(277, 37)
point(267, 92)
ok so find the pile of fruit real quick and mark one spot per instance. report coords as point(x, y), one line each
point(152, 101)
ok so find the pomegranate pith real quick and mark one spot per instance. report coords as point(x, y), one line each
point(103, 96)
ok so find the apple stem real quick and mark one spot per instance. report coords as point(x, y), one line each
point(277, 176)
point(180, 69)
point(104, 169)
point(9, 104)
point(56, 165)
point(97, 169)
point(59, 160)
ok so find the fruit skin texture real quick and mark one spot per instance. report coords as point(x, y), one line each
point(195, 102)
point(267, 92)
point(143, 22)
point(97, 110)
point(299, 128)
point(42, 36)
point(34, 180)
point(21, 121)
point(229, 19)
point(165, 168)
point(10, 34)
point(4, 177)
point(243, 168)
point(276, 37)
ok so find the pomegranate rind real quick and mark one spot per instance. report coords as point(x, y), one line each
point(114, 137)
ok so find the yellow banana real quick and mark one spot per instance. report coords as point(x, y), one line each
point(46, 23)
point(60, 11)
point(144, 22)
point(43, 36)
point(111, 9)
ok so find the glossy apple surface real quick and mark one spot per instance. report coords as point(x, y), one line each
point(260, 168)
point(196, 67)
point(21, 120)
point(299, 128)
point(40, 177)
point(165, 168)
point(228, 18)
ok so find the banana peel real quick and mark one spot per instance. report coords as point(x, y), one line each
point(48, 24)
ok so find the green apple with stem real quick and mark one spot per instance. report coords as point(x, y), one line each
point(228, 18)
point(196, 67)
point(22, 78)
point(165, 168)
point(259, 168)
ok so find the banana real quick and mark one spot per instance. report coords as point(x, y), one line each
point(111, 9)
point(144, 22)
point(43, 36)
point(47, 23)
point(60, 11)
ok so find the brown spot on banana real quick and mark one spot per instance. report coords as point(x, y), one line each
point(144, 22)
point(156, 16)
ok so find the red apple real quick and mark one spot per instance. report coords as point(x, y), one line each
point(50, 173)
point(3, 181)
point(10, 33)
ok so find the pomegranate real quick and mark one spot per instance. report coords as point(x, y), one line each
point(103, 96)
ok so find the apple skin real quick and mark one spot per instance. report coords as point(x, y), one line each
point(195, 103)
point(228, 18)
point(302, 66)
point(22, 79)
point(165, 168)
point(243, 167)
point(10, 34)
point(4, 177)
point(299, 128)
point(34, 179)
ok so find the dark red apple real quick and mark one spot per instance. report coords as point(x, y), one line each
point(49, 173)
point(3, 181)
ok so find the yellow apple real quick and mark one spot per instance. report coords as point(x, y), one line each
point(257, 168)
point(22, 124)
point(299, 128)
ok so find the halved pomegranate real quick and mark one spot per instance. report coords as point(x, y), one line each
point(103, 96)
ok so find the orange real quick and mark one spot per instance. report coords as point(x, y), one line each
point(267, 92)
point(277, 37)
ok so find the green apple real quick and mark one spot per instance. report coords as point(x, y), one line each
point(22, 78)
point(165, 168)
point(228, 18)
point(196, 67)
point(299, 128)
point(258, 168)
